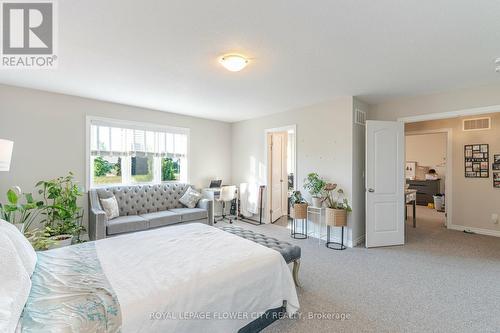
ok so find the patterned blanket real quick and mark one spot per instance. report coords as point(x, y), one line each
point(70, 293)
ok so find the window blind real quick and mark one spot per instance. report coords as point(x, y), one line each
point(108, 139)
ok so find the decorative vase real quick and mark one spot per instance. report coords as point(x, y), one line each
point(61, 241)
point(299, 211)
point(317, 202)
point(336, 217)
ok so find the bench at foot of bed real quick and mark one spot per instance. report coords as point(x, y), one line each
point(291, 253)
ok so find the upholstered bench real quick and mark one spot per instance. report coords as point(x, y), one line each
point(291, 253)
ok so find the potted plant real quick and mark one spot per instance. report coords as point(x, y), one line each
point(337, 206)
point(315, 185)
point(299, 206)
point(62, 215)
point(22, 215)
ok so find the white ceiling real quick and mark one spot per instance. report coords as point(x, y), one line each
point(163, 54)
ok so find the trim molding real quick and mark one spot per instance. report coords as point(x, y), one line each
point(451, 114)
point(448, 182)
point(357, 241)
point(267, 213)
point(347, 242)
point(479, 231)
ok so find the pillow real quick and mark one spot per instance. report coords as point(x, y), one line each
point(21, 245)
point(15, 286)
point(190, 198)
point(110, 207)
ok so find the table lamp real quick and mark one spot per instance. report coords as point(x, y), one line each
point(5, 154)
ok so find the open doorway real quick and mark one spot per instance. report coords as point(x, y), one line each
point(281, 172)
point(427, 173)
point(471, 180)
point(470, 172)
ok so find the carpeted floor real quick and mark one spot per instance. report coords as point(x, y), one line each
point(441, 281)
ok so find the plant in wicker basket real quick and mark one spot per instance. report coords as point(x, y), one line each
point(337, 206)
point(299, 206)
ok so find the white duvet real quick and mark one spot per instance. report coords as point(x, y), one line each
point(194, 278)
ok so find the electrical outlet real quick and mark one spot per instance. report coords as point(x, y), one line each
point(494, 218)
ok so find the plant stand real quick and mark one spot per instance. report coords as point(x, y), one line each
point(299, 213)
point(337, 246)
point(293, 231)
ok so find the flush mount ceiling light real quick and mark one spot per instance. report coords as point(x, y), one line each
point(233, 62)
point(497, 65)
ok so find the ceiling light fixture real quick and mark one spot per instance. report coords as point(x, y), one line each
point(233, 62)
point(497, 65)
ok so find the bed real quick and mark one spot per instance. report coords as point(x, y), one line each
point(186, 278)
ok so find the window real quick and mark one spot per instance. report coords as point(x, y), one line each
point(170, 169)
point(107, 170)
point(142, 169)
point(130, 153)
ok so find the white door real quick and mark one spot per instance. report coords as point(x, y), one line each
point(277, 170)
point(385, 202)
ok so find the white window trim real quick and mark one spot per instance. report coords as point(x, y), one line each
point(88, 122)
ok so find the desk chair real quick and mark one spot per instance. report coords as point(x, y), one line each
point(227, 194)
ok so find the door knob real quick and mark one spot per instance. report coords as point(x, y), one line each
point(371, 190)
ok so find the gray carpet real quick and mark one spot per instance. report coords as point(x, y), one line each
point(441, 281)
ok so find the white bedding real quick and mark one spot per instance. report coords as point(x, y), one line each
point(189, 270)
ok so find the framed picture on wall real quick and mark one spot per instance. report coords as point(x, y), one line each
point(496, 179)
point(410, 170)
point(496, 162)
point(477, 163)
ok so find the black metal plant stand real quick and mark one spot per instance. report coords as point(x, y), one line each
point(293, 230)
point(337, 246)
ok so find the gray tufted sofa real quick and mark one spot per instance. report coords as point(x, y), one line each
point(144, 207)
point(291, 253)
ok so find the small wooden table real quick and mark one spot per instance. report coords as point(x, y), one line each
point(411, 197)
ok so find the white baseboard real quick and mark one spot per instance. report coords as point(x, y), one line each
point(348, 243)
point(480, 231)
point(358, 241)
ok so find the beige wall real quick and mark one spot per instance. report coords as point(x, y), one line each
point(474, 199)
point(436, 103)
point(324, 145)
point(48, 131)
point(428, 150)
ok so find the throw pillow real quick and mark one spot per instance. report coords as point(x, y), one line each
point(190, 198)
point(21, 244)
point(110, 207)
point(14, 287)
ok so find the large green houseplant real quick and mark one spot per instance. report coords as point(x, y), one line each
point(315, 185)
point(21, 209)
point(53, 221)
point(62, 216)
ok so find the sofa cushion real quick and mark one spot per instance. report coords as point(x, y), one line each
point(110, 207)
point(190, 198)
point(163, 218)
point(191, 214)
point(126, 224)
